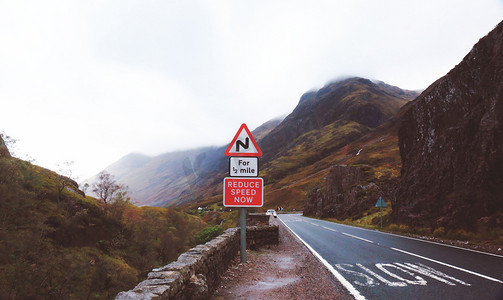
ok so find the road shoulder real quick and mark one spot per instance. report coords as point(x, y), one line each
point(284, 271)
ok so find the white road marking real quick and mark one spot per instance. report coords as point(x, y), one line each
point(329, 229)
point(337, 275)
point(448, 265)
point(430, 272)
point(357, 237)
point(419, 280)
point(382, 279)
point(415, 239)
point(407, 269)
point(436, 243)
point(370, 282)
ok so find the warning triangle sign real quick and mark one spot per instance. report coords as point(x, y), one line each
point(381, 203)
point(243, 144)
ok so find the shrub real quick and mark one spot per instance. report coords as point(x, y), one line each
point(208, 233)
point(459, 235)
point(439, 232)
point(399, 228)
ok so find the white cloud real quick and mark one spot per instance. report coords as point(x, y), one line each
point(91, 81)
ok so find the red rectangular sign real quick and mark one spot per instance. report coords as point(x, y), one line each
point(243, 192)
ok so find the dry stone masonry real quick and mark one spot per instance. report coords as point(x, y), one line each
point(196, 273)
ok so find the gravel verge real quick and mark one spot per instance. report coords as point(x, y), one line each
point(284, 271)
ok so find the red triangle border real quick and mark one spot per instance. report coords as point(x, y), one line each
point(229, 148)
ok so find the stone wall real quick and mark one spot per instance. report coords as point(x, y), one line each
point(254, 219)
point(196, 273)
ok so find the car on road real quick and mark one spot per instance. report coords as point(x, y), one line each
point(271, 212)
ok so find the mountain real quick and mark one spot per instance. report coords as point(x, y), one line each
point(128, 164)
point(451, 145)
point(328, 119)
point(297, 150)
point(175, 177)
point(352, 178)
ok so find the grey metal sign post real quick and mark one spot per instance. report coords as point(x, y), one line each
point(242, 211)
point(380, 203)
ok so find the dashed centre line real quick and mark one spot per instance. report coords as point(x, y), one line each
point(329, 229)
point(448, 265)
point(399, 274)
point(420, 256)
point(357, 237)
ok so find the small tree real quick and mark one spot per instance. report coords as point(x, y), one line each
point(64, 175)
point(84, 187)
point(107, 188)
point(119, 203)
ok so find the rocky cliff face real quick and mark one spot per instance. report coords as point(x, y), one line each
point(346, 193)
point(451, 141)
point(4, 152)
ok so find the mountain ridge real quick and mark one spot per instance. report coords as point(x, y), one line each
point(326, 119)
point(161, 179)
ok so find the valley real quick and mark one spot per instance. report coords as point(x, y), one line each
point(434, 156)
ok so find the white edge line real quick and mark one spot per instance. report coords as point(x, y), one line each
point(337, 275)
point(412, 238)
point(448, 265)
point(357, 237)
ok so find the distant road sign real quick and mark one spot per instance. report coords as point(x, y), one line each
point(381, 203)
point(243, 144)
point(243, 166)
point(243, 192)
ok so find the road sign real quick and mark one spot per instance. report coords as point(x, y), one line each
point(243, 192)
point(243, 166)
point(381, 203)
point(243, 144)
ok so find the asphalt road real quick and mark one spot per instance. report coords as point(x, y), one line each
point(375, 265)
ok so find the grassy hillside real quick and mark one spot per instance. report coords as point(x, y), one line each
point(59, 244)
point(377, 152)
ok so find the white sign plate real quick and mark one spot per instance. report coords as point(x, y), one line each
point(243, 166)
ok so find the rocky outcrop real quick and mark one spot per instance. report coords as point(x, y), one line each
point(4, 152)
point(451, 141)
point(347, 193)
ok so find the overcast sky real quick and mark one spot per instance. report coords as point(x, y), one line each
point(91, 81)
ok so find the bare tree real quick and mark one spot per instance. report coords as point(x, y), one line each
point(107, 188)
point(64, 175)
